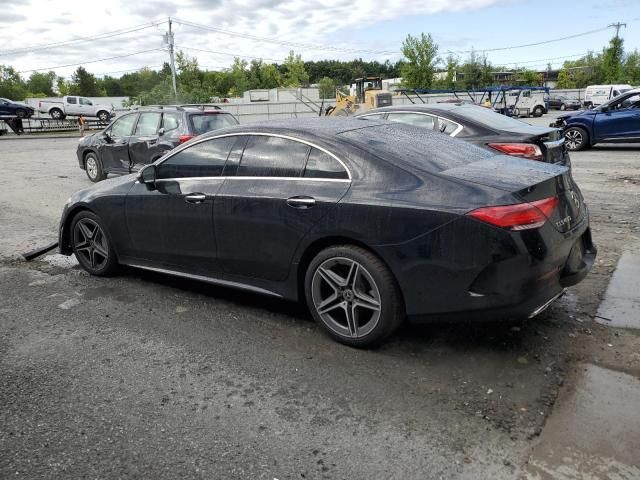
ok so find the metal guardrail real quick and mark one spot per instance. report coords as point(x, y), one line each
point(46, 124)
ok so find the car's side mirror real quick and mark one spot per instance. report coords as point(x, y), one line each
point(161, 131)
point(148, 175)
point(106, 136)
point(604, 108)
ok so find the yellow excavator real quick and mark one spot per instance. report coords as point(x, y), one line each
point(369, 94)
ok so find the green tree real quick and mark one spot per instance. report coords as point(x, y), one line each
point(421, 59)
point(295, 72)
point(612, 58)
point(631, 68)
point(11, 84)
point(263, 75)
point(84, 83)
point(565, 79)
point(528, 77)
point(476, 72)
point(239, 78)
point(41, 84)
point(327, 87)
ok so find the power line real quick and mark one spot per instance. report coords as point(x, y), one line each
point(226, 53)
point(280, 42)
point(568, 37)
point(102, 36)
point(150, 67)
point(91, 61)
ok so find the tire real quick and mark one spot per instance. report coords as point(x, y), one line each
point(103, 116)
point(91, 245)
point(353, 296)
point(576, 139)
point(538, 111)
point(56, 114)
point(93, 167)
point(563, 107)
point(21, 113)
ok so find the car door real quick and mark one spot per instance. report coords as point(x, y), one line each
point(71, 106)
point(170, 225)
point(620, 121)
point(270, 201)
point(85, 107)
point(114, 152)
point(143, 144)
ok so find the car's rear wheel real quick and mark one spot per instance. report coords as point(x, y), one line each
point(93, 167)
point(91, 245)
point(103, 116)
point(56, 114)
point(538, 111)
point(353, 296)
point(576, 138)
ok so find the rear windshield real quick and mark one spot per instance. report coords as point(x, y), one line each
point(427, 150)
point(206, 122)
point(485, 116)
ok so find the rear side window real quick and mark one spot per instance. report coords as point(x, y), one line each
point(446, 126)
point(416, 119)
point(72, 100)
point(171, 121)
point(323, 165)
point(205, 159)
point(373, 116)
point(266, 156)
point(208, 122)
point(123, 126)
point(148, 124)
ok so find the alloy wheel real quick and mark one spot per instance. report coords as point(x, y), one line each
point(90, 243)
point(346, 297)
point(92, 167)
point(574, 139)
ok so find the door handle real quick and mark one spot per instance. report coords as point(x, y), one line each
point(301, 202)
point(195, 198)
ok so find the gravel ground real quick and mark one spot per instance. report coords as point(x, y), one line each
point(145, 376)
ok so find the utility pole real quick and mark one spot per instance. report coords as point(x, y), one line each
point(617, 27)
point(173, 63)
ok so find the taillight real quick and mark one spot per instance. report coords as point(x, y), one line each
point(521, 216)
point(524, 150)
point(185, 138)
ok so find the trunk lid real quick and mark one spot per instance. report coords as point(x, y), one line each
point(528, 181)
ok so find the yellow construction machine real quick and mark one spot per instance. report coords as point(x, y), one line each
point(369, 94)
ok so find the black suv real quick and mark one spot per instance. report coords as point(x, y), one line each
point(141, 137)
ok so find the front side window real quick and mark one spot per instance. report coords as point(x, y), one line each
point(204, 159)
point(322, 165)
point(266, 156)
point(85, 101)
point(416, 119)
point(123, 126)
point(148, 124)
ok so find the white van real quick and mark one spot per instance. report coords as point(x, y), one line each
point(598, 94)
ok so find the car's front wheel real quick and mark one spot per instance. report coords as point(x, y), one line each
point(576, 138)
point(538, 111)
point(353, 296)
point(21, 113)
point(91, 245)
point(93, 167)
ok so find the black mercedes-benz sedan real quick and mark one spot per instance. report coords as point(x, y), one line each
point(482, 127)
point(367, 222)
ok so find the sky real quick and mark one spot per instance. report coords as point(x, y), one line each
point(215, 31)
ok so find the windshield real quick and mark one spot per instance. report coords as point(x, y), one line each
point(488, 117)
point(203, 123)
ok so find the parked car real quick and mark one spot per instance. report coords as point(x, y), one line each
point(139, 138)
point(482, 127)
point(562, 102)
point(595, 95)
point(75, 106)
point(19, 109)
point(617, 121)
point(368, 222)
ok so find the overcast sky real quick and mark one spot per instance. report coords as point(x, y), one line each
point(316, 29)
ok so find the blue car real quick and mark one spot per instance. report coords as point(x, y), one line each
point(617, 121)
point(15, 109)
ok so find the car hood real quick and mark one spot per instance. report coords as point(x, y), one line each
point(22, 104)
point(576, 113)
point(105, 187)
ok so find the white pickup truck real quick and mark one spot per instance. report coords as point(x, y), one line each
point(75, 106)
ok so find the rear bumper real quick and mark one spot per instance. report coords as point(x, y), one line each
point(499, 276)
